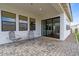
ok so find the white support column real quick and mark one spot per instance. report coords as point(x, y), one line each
point(61, 26)
point(28, 27)
point(28, 23)
point(0, 21)
point(17, 22)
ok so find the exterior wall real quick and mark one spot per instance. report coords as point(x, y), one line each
point(64, 33)
point(63, 22)
point(4, 35)
point(78, 28)
point(75, 27)
point(61, 27)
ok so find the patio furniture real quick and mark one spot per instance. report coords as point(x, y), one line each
point(12, 36)
point(30, 35)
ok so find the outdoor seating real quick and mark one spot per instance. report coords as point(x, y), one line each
point(30, 35)
point(12, 36)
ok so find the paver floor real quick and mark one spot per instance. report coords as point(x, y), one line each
point(42, 46)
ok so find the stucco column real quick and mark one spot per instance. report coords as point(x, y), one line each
point(28, 23)
point(0, 20)
point(17, 22)
point(61, 26)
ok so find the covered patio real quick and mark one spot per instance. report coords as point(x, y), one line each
point(42, 46)
point(50, 20)
point(49, 24)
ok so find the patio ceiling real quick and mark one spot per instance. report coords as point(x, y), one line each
point(42, 10)
point(39, 9)
point(67, 9)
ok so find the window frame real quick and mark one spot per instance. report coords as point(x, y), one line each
point(34, 24)
point(26, 20)
point(24, 29)
point(7, 21)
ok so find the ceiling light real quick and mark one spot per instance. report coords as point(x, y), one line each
point(40, 9)
point(31, 3)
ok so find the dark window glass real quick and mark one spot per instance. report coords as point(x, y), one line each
point(23, 23)
point(51, 27)
point(22, 26)
point(32, 24)
point(8, 21)
point(67, 27)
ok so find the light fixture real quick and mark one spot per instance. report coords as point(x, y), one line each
point(40, 9)
point(31, 3)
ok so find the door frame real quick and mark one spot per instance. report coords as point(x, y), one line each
point(52, 25)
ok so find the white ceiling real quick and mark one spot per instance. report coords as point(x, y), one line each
point(35, 8)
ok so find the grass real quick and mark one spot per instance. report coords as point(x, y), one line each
point(77, 36)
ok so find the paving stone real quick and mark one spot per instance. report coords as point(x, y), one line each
point(42, 46)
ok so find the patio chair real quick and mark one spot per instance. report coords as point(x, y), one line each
point(12, 36)
point(30, 35)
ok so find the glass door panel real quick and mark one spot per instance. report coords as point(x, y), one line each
point(43, 27)
point(56, 27)
point(49, 27)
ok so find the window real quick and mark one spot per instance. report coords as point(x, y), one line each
point(67, 27)
point(8, 21)
point(32, 24)
point(23, 26)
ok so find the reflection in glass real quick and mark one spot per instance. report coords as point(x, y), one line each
point(23, 23)
point(51, 27)
point(23, 26)
point(8, 21)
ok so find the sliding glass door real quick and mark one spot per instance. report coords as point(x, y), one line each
point(51, 27)
point(43, 28)
point(56, 27)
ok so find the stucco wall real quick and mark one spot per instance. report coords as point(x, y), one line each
point(61, 27)
point(63, 31)
point(66, 32)
point(4, 35)
point(75, 27)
